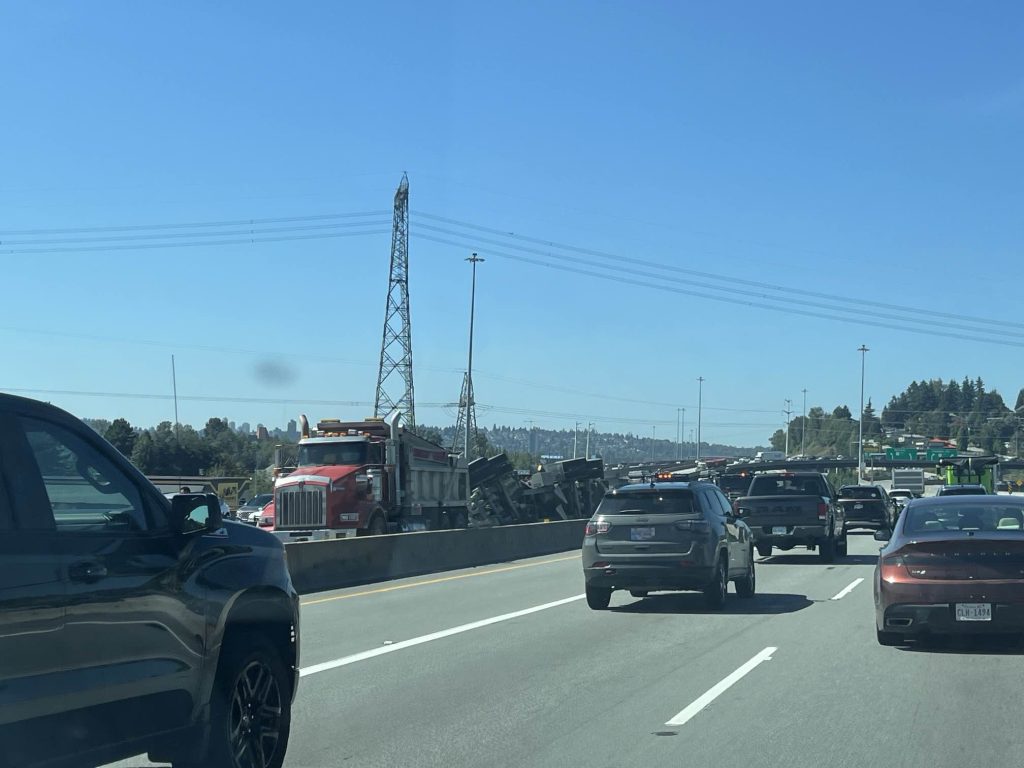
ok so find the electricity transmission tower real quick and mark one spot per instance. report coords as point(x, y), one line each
point(396, 344)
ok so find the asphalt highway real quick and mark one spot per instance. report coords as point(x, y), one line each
point(507, 666)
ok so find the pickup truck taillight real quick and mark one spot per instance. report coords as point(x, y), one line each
point(822, 511)
point(595, 527)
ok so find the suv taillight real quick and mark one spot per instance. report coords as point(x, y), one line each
point(595, 527)
point(822, 511)
point(697, 526)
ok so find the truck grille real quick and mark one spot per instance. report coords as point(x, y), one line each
point(301, 507)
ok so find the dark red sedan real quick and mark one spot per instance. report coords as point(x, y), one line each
point(953, 565)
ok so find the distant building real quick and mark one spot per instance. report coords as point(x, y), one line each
point(262, 433)
point(244, 428)
point(231, 426)
point(293, 430)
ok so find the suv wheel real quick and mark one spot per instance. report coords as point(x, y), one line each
point(250, 714)
point(598, 598)
point(827, 549)
point(842, 546)
point(764, 550)
point(746, 586)
point(714, 593)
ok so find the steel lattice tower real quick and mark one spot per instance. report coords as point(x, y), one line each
point(396, 344)
point(466, 423)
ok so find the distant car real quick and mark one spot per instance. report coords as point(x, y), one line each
point(252, 510)
point(901, 495)
point(266, 521)
point(953, 565)
point(668, 536)
point(866, 506)
point(964, 489)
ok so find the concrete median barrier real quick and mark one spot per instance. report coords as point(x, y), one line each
point(320, 565)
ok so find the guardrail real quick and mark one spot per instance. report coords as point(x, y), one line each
point(320, 565)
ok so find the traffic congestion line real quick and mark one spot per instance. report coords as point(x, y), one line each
point(440, 580)
point(721, 687)
point(846, 590)
point(374, 652)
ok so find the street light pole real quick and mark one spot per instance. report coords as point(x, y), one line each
point(575, 438)
point(682, 434)
point(803, 426)
point(860, 437)
point(654, 436)
point(788, 412)
point(590, 428)
point(470, 405)
point(700, 409)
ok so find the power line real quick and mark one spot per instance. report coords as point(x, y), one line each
point(724, 299)
point(200, 243)
point(731, 280)
point(193, 224)
point(927, 321)
point(173, 235)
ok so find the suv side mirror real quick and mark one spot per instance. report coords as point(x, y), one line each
point(883, 535)
point(195, 512)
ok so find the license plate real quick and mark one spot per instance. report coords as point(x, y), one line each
point(974, 611)
point(641, 534)
point(779, 530)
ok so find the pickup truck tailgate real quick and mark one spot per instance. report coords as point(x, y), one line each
point(769, 511)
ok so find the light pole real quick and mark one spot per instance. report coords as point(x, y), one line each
point(474, 260)
point(654, 435)
point(860, 430)
point(682, 433)
point(590, 428)
point(788, 412)
point(803, 426)
point(575, 438)
point(700, 409)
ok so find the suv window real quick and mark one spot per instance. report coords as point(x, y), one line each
point(87, 492)
point(859, 492)
point(652, 502)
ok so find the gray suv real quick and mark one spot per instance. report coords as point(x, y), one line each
point(131, 623)
point(667, 536)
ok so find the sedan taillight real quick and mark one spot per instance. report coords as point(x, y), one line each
point(595, 527)
point(892, 567)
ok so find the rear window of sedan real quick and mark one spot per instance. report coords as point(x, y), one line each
point(648, 503)
point(859, 492)
point(987, 518)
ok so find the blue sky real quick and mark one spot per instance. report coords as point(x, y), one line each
point(862, 151)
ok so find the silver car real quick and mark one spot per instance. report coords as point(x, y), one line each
point(250, 512)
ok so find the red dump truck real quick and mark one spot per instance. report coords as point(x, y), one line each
point(369, 477)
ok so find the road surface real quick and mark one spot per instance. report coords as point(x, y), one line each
point(506, 666)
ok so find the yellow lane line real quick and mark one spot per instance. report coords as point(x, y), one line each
point(439, 580)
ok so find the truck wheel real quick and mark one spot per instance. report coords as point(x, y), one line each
point(746, 586)
point(598, 598)
point(250, 711)
point(842, 545)
point(764, 550)
point(378, 525)
point(827, 550)
point(714, 593)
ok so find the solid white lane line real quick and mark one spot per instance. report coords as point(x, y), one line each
point(719, 688)
point(847, 589)
point(372, 653)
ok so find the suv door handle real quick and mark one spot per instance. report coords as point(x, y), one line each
point(87, 571)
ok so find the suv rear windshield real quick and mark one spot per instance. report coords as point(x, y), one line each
point(859, 492)
point(787, 485)
point(966, 490)
point(647, 503)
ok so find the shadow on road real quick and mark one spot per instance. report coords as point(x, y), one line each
point(811, 558)
point(766, 603)
point(981, 645)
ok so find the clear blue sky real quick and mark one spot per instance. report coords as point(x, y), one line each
point(871, 150)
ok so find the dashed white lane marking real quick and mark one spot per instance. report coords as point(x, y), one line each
point(721, 687)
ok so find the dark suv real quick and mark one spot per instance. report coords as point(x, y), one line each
point(131, 623)
point(666, 536)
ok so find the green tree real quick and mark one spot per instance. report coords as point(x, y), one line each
point(842, 412)
point(144, 454)
point(121, 435)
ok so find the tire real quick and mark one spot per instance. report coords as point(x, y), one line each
point(598, 598)
point(746, 586)
point(714, 593)
point(827, 550)
point(887, 638)
point(458, 518)
point(842, 546)
point(249, 672)
point(638, 592)
point(764, 550)
point(378, 525)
